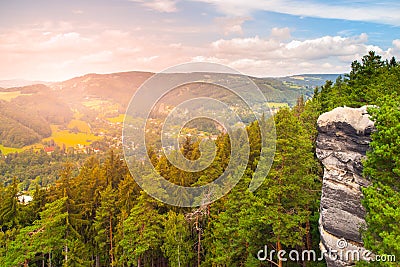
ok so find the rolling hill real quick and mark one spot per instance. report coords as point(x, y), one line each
point(27, 112)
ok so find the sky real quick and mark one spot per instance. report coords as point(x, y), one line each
point(54, 40)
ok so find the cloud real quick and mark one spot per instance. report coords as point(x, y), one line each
point(350, 10)
point(162, 6)
point(280, 33)
point(55, 52)
point(231, 25)
point(396, 44)
point(258, 48)
point(274, 57)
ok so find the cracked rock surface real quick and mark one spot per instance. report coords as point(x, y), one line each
point(342, 142)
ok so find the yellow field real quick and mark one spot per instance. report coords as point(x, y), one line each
point(277, 105)
point(99, 105)
point(120, 118)
point(8, 96)
point(82, 126)
point(298, 77)
point(7, 150)
point(77, 114)
point(292, 85)
point(70, 139)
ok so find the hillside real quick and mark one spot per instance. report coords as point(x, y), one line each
point(308, 80)
point(116, 87)
point(26, 113)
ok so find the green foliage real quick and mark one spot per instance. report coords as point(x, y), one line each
point(383, 168)
point(376, 82)
point(383, 161)
point(290, 192)
point(34, 168)
point(104, 224)
point(367, 81)
point(26, 119)
point(383, 216)
point(178, 244)
point(142, 232)
point(98, 216)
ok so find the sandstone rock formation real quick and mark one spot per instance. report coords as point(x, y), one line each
point(343, 139)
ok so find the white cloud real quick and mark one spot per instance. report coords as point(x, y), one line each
point(359, 11)
point(396, 44)
point(231, 25)
point(54, 52)
point(273, 57)
point(280, 33)
point(163, 6)
point(57, 51)
point(258, 48)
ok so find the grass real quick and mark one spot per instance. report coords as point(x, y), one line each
point(277, 105)
point(84, 137)
point(8, 150)
point(292, 85)
point(120, 118)
point(100, 105)
point(8, 96)
point(94, 104)
point(70, 139)
point(82, 126)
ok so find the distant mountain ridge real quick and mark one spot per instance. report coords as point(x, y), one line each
point(310, 80)
point(19, 83)
point(304, 79)
point(26, 112)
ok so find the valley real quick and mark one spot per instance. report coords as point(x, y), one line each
point(77, 112)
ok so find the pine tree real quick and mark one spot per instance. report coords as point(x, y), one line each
point(382, 166)
point(10, 208)
point(142, 232)
point(290, 190)
point(104, 224)
point(177, 245)
point(383, 215)
point(383, 160)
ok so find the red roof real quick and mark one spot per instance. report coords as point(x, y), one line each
point(49, 149)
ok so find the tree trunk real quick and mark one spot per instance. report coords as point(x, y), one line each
point(111, 242)
point(279, 247)
point(97, 260)
point(199, 243)
point(139, 262)
point(308, 236)
point(179, 256)
point(66, 254)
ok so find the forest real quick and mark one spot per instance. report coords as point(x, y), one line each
point(94, 213)
point(26, 119)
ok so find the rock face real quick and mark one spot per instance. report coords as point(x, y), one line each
point(343, 139)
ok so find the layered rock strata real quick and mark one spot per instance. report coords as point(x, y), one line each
point(343, 139)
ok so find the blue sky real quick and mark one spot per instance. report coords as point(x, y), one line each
point(56, 40)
